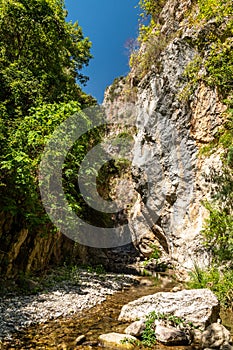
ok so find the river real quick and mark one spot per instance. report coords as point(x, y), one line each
point(63, 332)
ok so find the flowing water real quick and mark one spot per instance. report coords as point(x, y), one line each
point(62, 333)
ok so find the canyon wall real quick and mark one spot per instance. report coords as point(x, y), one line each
point(169, 120)
point(26, 250)
point(170, 176)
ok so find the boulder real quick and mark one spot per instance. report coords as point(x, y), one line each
point(226, 346)
point(117, 340)
point(136, 328)
point(170, 335)
point(216, 336)
point(199, 306)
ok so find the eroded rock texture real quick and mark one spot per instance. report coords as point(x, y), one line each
point(171, 179)
point(199, 306)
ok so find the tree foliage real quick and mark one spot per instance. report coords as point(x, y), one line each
point(41, 55)
point(19, 166)
point(151, 8)
point(41, 58)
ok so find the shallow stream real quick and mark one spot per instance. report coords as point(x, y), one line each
point(63, 332)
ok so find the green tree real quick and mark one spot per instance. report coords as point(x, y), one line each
point(19, 167)
point(41, 58)
point(41, 55)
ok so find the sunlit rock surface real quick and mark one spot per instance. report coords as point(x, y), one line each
point(170, 176)
point(199, 306)
point(117, 340)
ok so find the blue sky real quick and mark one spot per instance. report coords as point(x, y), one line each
point(108, 24)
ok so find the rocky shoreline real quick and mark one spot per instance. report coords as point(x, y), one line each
point(63, 299)
point(186, 317)
point(180, 317)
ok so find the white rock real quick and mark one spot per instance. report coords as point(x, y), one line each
point(199, 306)
point(80, 339)
point(117, 340)
point(170, 335)
point(136, 328)
point(215, 336)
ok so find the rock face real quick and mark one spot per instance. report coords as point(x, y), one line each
point(200, 307)
point(25, 250)
point(170, 178)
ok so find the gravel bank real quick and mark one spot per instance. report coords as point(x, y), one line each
point(63, 299)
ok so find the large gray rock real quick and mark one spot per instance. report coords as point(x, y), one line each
point(215, 336)
point(199, 306)
point(170, 335)
point(136, 328)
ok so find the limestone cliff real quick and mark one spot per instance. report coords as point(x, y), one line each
point(170, 176)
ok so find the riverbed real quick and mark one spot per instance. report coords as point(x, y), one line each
point(63, 332)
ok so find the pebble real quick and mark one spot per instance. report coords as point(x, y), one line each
point(62, 300)
point(80, 339)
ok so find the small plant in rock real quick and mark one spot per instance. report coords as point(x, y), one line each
point(156, 253)
point(74, 274)
point(143, 61)
point(148, 335)
point(130, 341)
point(220, 282)
point(151, 8)
point(116, 88)
point(146, 272)
point(98, 269)
point(154, 256)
